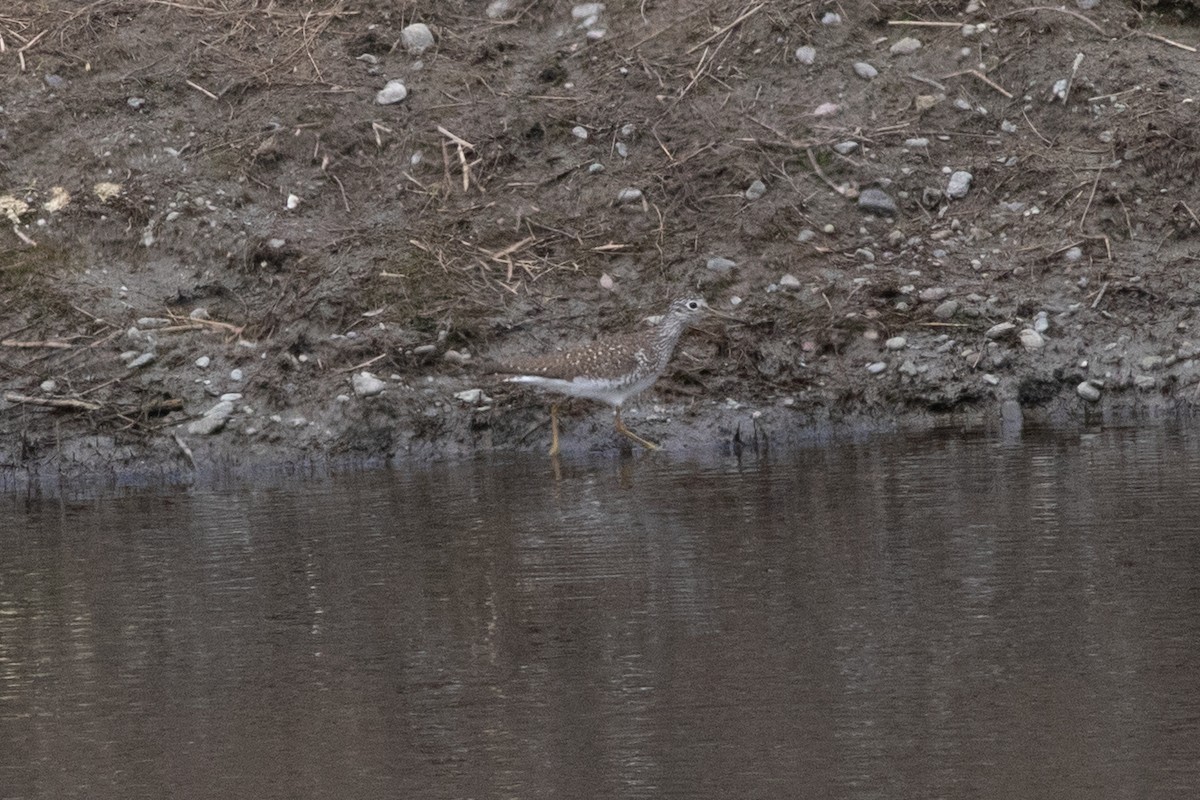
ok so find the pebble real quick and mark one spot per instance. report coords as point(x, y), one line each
point(865, 255)
point(416, 38)
point(1145, 382)
point(908, 368)
point(876, 367)
point(153, 322)
point(293, 202)
point(1041, 322)
point(136, 103)
point(864, 70)
point(203, 361)
point(960, 183)
point(213, 420)
point(596, 168)
point(455, 357)
point(498, 8)
point(579, 132)
point(1088, 391)
point(367, 385)
point(845, 148)
point(629, 195)
point(1072, 255)
point(1000, 331)
point(806, 235)
point(896, 343)
point(826, 110)
point(831, 18)
point(1149, 363)
point(424, 349)
point(236, 375)
point(719, 264)
point(789, 281)
point(933, 294)
point(587, 10)
point(877, 201)
point(1031, 339)
point(48, 386)
point(916, 143)
point(905, 46)
point(392, 92)
point(946, 310)
point(990, 379)
point(756, 190)
point(473, 397)
point(806, 54)
point(1008, 127)
point(141, 361)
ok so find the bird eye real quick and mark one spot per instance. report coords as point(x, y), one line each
point(692, 305)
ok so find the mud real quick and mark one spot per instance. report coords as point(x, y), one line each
point(217, 180)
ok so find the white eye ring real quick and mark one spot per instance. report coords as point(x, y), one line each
point(692, 305)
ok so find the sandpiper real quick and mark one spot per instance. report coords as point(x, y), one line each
point(611, 369)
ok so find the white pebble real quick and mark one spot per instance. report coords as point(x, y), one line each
point(806, 55)
point(235, 375)
point(392, 92)
point(896, 343)
point(579, 132)
point(756, 190)
point(864, 70)
point(905, 46)
point(1031, 339)
point(1088, 391)
point(367, 385)
point(48, 386)
point(203, 361)
point(416, 38)
point(629, 195)
point(876, 367)
point(959, 185)
point(789, 281)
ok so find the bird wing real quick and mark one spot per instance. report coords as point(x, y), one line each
point(604, 358)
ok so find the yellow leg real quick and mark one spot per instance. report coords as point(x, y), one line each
point(553, 430)
point(621, 429)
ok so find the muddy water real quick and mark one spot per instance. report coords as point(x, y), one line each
point(934, 618)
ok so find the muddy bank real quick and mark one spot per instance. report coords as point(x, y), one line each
point(223, 241)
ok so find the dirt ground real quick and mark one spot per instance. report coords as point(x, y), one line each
point(215, 180)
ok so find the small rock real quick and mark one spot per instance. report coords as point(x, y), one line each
point(789, 281)
point(930, 197)
point(845, 148)
point(806, 54)
point(865, 255)
point(924, 102)
point(876, 367)
point(864, 70)
point(1088, 391)
point(719, 264)
point(1072, 255)
point(587, 10)
point(960, 183)
point(141, 361)
point(916, 143)
point(946, 310)
point(629, 195)
point(153, 322)
point(877, 201)
point(199, 313)
point(579, 132)
point(473, 397)
point(416, 38)
point(424, 349)
point(203, 361)
point(908, 368)
point(905, 46)
point(756, 190)
point(1145, 382)
point(595, 168)
point(367, 385)
point(498, 8)
point(826, 110)
point(392, 92)
point(48, 386)
point(806, 235)
point(293, 202)
point(1000, 331)
point(213, 420)
point(1149, 363)
point(990, 379)
point(1008, 127)
point(235, 375)
point(136, 103)
point(831, 18)
point(455, 357)
point(933, 294)
point(1031, 339)
point(896, 343)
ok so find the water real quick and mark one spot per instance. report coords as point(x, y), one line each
point(941, 617)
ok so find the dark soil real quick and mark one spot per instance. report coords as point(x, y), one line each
point(469, 218)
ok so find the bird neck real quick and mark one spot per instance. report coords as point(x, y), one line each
point(667, 336)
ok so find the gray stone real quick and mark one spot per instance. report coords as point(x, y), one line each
point(48, 386)
point(789, 281)
point(1031, 339)
point(916, 143)
point(213, 420)
point(908, 368)
point(472, 397)
point(1088, 391)
point(1149, 363)
point(392, 92)
point(946, 310)
point(959, 185)
point(203, 361)
point(1041, 322)
point(933, 294)
point(455, 357)
point(896, 343)
point(367, 385)
point(1145, 382)
point(864, 70)
point(806, 235)
point(876, 367)
point(877, 201)
point(1072, 255)
point(905, 46)
point(141, 361)
point(1001, 330)
point(416, 38)
point(628, 195)
point(756, 190)
point(236, 375)
point(806, 54)
point(831, 18)
point(720, 264)
point(865, 255)
point(845, 148)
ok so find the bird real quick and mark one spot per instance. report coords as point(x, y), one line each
point(610, 369)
